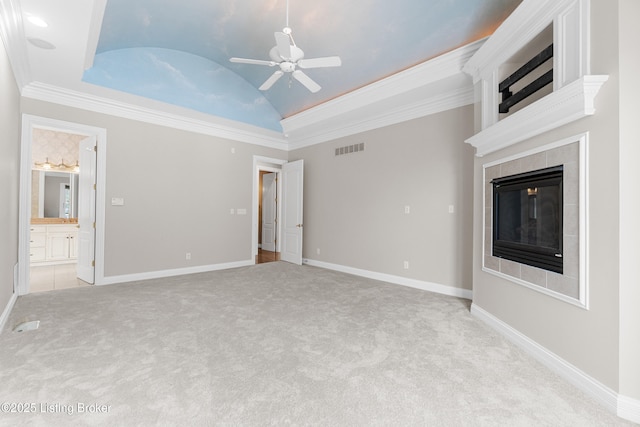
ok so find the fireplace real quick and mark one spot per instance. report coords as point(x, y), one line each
point(528, 218)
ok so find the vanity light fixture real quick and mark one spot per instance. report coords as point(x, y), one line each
point(62, 166)
point(65, 167)
point(45, 165)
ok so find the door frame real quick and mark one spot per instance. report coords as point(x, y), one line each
point(261, 163)
point(275, 201)
point(29, 123)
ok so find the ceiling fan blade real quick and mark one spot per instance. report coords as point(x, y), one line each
point(329, 61)
point(271, 80)
point(306, 81)
point(284, 45)
point(253, 61)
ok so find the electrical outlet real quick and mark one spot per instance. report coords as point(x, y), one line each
point(318, 251)
point(406, 265)
point(188, 256)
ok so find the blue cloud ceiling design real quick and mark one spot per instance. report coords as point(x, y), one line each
point(183, 79)
point(178, 52)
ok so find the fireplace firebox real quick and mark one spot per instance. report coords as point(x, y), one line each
point(527, 218)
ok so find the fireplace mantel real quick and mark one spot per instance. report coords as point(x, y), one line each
point(572, 102)
point(574, 88)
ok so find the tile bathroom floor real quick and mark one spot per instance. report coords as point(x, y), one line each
point(53, 277)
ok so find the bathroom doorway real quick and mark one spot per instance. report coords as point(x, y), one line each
point(61, 230)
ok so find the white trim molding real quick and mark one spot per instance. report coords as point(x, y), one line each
point(429, 105)
point(583, 219)
point(12, 32)
point(263, 163)
point(568, 104)
point(428, 88)
point(620, 405)
point(574, 89)
point(397, 280)
point(215, 126)
point(628, 408)
point(7, 311)
point(160, 274)
point(529, 19)
point(30, 122)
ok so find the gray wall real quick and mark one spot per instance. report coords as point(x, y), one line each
point(354, 203)
point(629, 35)
point(178, 189)
point(9, 176)
point(588, 339)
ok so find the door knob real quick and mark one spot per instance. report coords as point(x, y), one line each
point(299, 225)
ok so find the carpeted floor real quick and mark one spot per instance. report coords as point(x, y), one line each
point(272, 344)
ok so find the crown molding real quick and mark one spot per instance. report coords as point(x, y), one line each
point(453, 99)
point(313, 133)
point(12, 33)
point(527, 21)
point(222, 128)
point(568, 104)
point(432, 71)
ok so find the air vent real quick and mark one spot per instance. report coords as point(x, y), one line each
point(349, 149)
point(27, 326)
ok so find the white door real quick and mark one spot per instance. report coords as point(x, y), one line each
point(292, 186)
point(87, 210)
point(269, 211)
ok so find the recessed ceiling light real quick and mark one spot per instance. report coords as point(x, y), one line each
point(37, 21)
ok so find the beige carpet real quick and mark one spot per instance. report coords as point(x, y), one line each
point(272, 344)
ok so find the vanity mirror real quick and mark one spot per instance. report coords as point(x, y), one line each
point(54, 194)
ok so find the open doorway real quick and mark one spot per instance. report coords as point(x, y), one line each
point(289, 208)
point(61, 226)
point(55, 201)
point(268, 219)
point(267, 208)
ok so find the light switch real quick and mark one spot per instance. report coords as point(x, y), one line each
point(451, 209)
point(407, 209)
point(117, 201)
point(242, 211)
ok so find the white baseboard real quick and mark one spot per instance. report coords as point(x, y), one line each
point(629, 408)
point(622, 406)
point(110, 280)
point(7, 310)
point(398, 280)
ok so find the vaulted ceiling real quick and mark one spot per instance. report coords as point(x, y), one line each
point(176, 53)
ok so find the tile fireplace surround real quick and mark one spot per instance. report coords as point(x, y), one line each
point(569, 286)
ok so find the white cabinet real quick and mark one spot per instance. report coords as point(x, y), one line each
point(54, 243)
point(38, 242)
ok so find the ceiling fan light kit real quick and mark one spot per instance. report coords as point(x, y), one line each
point(289, 58)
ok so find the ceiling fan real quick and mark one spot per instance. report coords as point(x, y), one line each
point(289, 57)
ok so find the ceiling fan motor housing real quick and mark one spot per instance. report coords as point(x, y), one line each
point(296, 55)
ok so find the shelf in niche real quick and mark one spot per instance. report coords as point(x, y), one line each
point(568, 104)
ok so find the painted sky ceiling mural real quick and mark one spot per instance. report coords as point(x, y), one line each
point(178, 51)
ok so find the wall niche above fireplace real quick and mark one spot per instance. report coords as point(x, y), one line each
point(535, 219)
point(533, 74)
